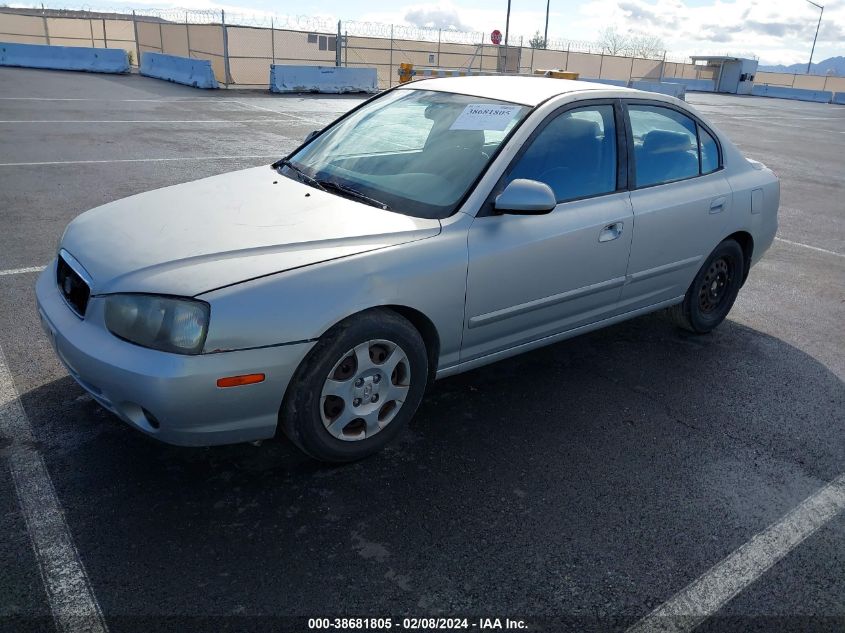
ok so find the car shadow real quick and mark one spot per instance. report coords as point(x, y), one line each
point(597, 453)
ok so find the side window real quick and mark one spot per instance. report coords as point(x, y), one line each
point(575, 154)
point(709, 152)
point(665, 145)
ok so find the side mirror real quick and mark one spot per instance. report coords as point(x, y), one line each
point(311, 135)
point(526, 197)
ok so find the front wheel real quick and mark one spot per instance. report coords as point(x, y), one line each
point(713, 291)
point(357, 388)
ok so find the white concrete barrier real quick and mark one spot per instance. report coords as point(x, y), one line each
point(779, 92)
point(610, 82)
point(181, 70)
point(448, 72)
point(694, 85)
point(665, 88)
point(325, 79)
point(94, 60)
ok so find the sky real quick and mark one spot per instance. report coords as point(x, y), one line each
point(776, 31)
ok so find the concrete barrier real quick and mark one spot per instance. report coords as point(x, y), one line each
point(695, 85)
point(181, 70)
point(839, 97)
point(676, 90)
point(326, 79)
point(447, 72)
point(765, 90)
point(609, 82)
point(93, 60)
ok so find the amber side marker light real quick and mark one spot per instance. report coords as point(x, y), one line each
point(237, 381)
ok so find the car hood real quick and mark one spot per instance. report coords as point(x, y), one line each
point(198, 236)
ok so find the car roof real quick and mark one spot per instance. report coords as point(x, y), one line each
point(524, 89)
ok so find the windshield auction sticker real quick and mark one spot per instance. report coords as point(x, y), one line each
point(485, 116)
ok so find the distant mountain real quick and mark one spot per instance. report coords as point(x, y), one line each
point(834, 66)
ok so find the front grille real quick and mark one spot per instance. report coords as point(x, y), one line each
point(72, 286)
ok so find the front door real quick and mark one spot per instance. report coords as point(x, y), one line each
point(533, 276)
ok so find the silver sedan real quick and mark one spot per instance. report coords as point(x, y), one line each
point(437, 227)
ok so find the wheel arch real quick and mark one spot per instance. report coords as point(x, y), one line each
point(425, 326)
point(746, 243)
point(422, 322)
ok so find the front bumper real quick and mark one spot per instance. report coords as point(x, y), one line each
point(171, 397)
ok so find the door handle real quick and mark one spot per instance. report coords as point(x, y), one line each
point(718, 204)
point(610, 232)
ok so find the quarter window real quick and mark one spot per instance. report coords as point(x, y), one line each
point(575, 154)
point(709, 152)
point(667, 148)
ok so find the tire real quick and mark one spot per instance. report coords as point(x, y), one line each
point(712, 293)
point(328, 415)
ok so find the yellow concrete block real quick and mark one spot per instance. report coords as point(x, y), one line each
point(557, 74)
point(406, 72)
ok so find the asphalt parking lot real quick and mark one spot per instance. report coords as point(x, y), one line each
point(577, 487)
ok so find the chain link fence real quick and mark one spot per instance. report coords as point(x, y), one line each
point(241, 47)
point(56, 30)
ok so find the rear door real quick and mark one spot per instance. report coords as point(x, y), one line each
point(680, 198)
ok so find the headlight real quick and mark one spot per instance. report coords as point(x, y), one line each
point(163, 323)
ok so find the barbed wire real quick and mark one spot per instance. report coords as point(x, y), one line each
point(190, 16)
point(409, 32)
point(577, 46)
point(307, 23)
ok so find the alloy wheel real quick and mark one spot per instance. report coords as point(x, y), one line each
point(365, 390)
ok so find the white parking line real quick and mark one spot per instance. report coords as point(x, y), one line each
point(767, 117)
point(748, 121)
point(191, 121)
point(142, 160)
point(38, 269)
point(712, 590)
point(174, 100)
point(246, 104)
point(18, 271)
point(812, 248)
point(69, 592)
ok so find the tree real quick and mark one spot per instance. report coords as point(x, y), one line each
point(645, 45)
point(537, 41)
point(630, 44)
point(612, 42)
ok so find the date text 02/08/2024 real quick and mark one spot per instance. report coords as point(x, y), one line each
point(416, 624)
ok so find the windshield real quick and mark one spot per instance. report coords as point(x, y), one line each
point(415, 152)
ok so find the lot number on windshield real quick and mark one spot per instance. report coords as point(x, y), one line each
point(485, 116)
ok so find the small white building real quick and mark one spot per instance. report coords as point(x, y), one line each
point(734, 75)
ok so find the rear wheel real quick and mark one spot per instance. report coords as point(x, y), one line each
point(357, 388)
point(713, 291)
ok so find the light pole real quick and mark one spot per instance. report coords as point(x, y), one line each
point(504, 66)
point(507, 24)
point(546, 32)
point(813, 50)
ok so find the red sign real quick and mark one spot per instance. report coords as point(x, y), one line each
point(496, 37)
